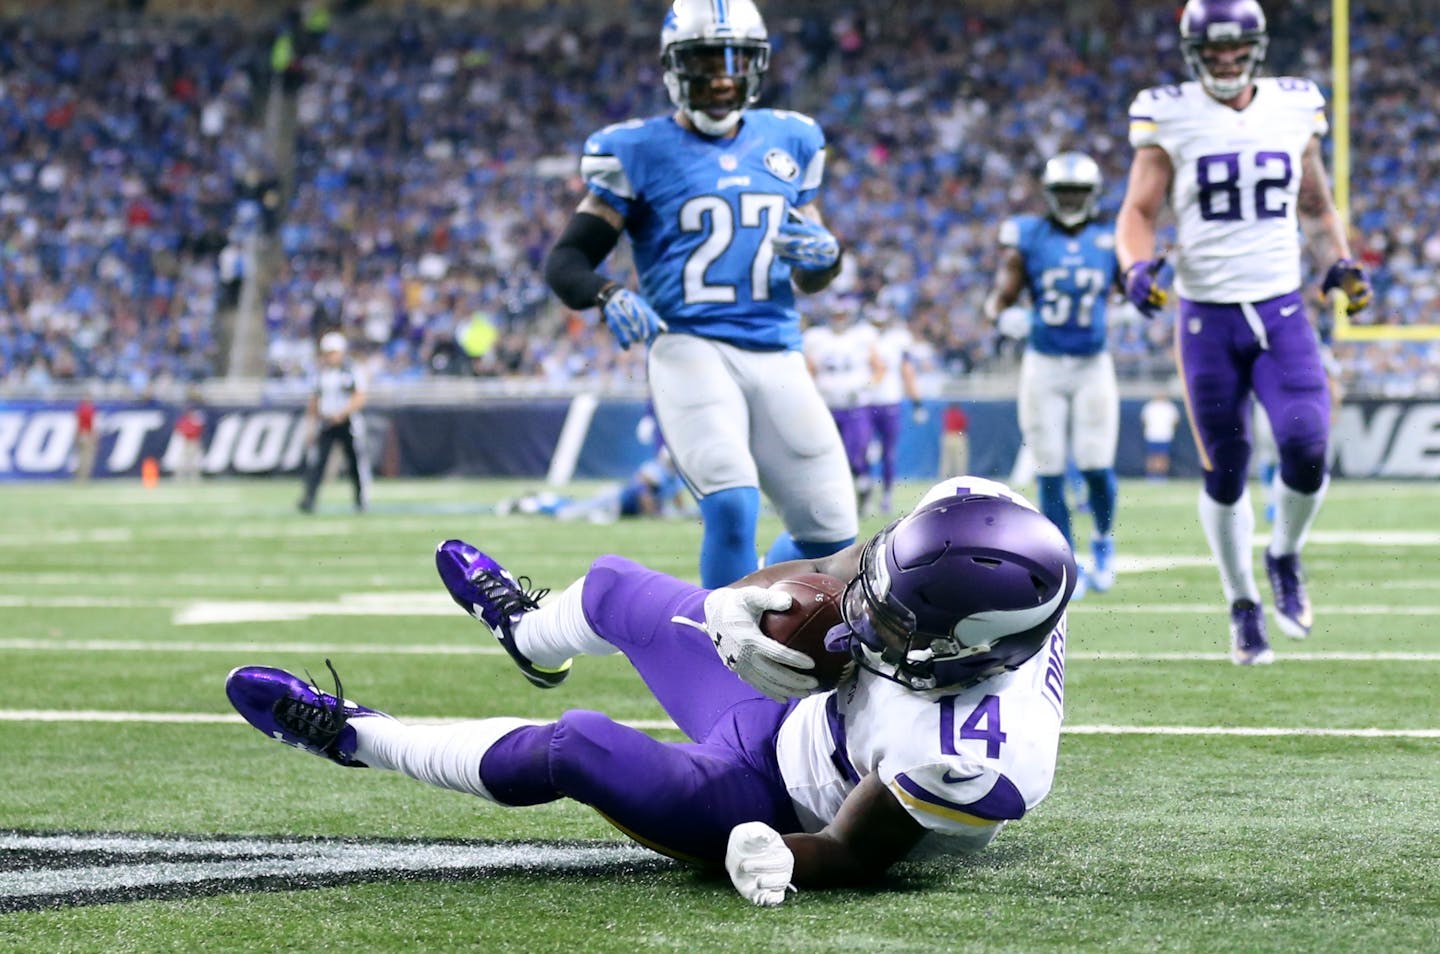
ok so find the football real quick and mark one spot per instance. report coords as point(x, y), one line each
point(816, 608)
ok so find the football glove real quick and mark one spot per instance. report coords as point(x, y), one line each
point(1143, 290)
point(1352, 281)
point(630, 317)
point(801, 243)
point(732, 621)
point(759, 863)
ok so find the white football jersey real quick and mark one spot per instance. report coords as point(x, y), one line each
point(893, 343)
point(1236, 179)
point(841, 360)
point(961, 763)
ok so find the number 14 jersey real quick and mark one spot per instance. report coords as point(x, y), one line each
point(1236, 179)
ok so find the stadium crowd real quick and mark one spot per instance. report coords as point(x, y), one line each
point(436, 158)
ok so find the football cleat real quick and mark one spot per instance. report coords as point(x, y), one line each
point(298, 713)
point(1248, 644)
point(487, 591)
point(1292, 605)
point(1102, 575)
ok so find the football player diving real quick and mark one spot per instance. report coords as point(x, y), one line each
point(945, 727)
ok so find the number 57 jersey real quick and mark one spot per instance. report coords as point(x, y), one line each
point(961, 763)
point(1236, 180)
point(702, 214)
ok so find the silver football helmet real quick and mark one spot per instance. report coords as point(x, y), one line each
point(705, 40)
point(1071, 181)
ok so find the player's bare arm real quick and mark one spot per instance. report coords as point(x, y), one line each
point(1009, 280)
point(842, 565)
point(1315, 208)
point(806, 280)
point(870, 832)
point(1150, 175)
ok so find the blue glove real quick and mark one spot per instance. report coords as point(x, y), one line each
point(1350, 279)
point(629, 316)
point(806, 245)
point(1143, 290)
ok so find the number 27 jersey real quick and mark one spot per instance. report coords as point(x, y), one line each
point(1235, 185)
point(702, 214)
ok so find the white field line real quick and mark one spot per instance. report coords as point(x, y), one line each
point(201, 718)
point(43, 644)
point(429, 603)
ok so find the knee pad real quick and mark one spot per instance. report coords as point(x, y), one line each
point(1301, 434)
point(1225, 480)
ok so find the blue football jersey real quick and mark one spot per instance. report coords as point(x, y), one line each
point(1069, 276)
point(702, 213)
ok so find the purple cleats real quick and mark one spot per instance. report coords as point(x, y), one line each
point(1248, 645)
point(487, 591)
point(1292, 605)
point(285, 707)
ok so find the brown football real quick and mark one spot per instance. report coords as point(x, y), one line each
point(816, 608)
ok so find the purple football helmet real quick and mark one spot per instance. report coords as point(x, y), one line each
point(964, 588)
point(1224, 24)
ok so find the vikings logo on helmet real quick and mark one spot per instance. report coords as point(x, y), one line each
point(969, 585)
point(705, 40)
point(1207, 24)
point(1071, 181)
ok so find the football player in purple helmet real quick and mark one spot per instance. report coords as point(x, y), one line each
point(1239, 159)
point(948, 725)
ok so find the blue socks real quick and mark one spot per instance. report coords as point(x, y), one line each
point(1103, 489)
point(727, 549)
point(787, 547)
point(1052, 503)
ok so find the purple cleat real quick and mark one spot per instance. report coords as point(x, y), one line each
point(1248, 645)
point(286, 707)
point(488, 592)
point(1292, 604)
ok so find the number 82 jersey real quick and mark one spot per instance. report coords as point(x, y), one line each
point(702, 213)
point(1235, 183)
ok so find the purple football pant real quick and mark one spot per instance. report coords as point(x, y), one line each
point(885, 419)
point(854, 425)
point(678, 798)
point(1228, 352)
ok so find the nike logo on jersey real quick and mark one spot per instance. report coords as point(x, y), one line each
point(1289, 310)
point(951, 779)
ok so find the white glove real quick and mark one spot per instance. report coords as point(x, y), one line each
point(759, 864)
point(732, 620)
point(1014, 322)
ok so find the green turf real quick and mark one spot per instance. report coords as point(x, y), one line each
point(1148, 842)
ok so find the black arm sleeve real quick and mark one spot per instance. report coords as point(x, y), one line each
point(570, 266)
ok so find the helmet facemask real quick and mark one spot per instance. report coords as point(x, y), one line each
point(1228, 35)
point(1203, 59)
point(692, 66)
point(1071, 182)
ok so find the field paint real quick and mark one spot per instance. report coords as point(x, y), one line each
point(64, 869)
point(203, 718)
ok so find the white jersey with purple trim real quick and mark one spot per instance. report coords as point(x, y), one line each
point(961, 763)
point(840, 360)
point(1235, 185)
point(893, 343)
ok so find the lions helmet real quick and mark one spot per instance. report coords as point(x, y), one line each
point(969, 585)
point(1207, 26)
point(705, 40)
point(1071, 181)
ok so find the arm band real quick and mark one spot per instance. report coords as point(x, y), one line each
point(570, 266)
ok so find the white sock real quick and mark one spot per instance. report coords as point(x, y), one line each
point(559, 631)
point(1230, 528)
point(1294, 513)
point(444, 755)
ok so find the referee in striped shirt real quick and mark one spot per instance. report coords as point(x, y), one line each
point(333, 417)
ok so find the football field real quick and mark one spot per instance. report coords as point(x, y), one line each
point(1198, 806)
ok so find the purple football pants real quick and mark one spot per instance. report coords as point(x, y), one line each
point(678, 798)
point(885, 420)
point(855, 431)
point(1228, 352)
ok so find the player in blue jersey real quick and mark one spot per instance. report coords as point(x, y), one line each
point(719, 203)
point(1069, 403)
